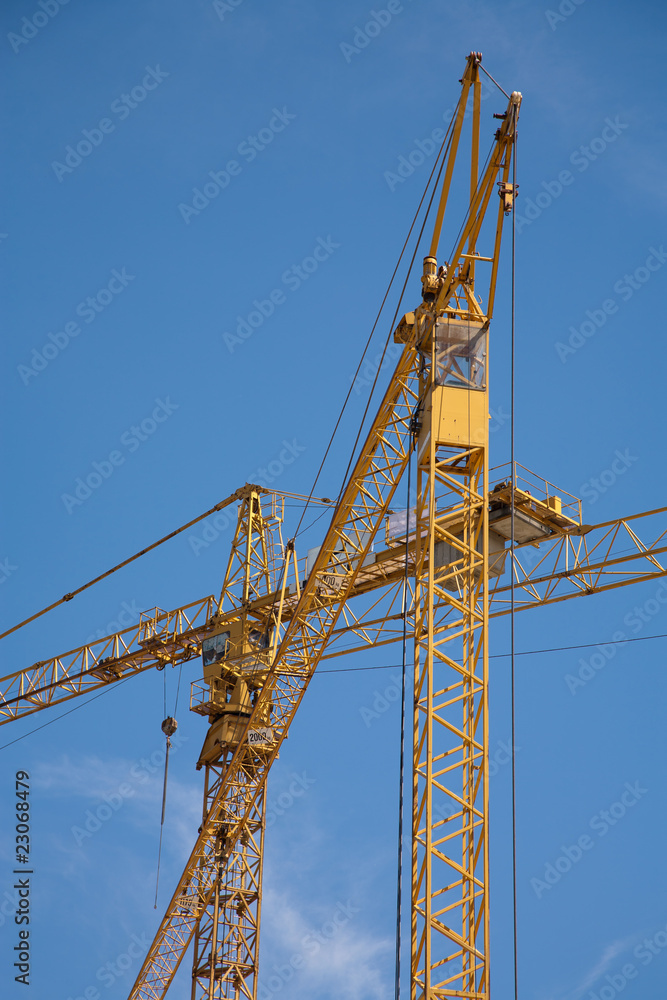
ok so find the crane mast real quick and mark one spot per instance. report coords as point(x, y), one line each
point(236, 657)
point(305, 622)
point(276, 619)
point(450, 911)
point(437, 404)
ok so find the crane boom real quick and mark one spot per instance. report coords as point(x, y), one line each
point(406, 417)
point(361, 509)
point(560, 566)
point(452, 546)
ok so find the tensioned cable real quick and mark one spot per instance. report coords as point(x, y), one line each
point(69, 596)
point(435, 188)
point(512, 541)
point(401, 768)
point(83, 704)
point(520, 652)
point(446, 140)
point(445, 143)
point(469, 209)
point(493, 81)
point(126, 562)
point(349, 670)
point(164, 808)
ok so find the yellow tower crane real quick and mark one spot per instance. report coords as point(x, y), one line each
point(438, 572)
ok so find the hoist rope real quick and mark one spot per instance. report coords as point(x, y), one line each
point(444, 149)
point(445, 145)
point(401, 769)
point(350, 670)
point(310, 498)
point(164, 803)
point(512, 543)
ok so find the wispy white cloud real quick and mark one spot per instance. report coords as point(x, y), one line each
point(323, 917)
point(607, 959)
point(609, 955)
point(330, 951)
point(94, 779)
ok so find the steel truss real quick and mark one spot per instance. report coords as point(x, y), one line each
point(217, 902)
point(450, 911)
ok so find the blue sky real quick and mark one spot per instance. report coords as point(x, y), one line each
point(158, 345)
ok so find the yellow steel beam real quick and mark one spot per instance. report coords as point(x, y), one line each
point(358, 515)
point(470, 73)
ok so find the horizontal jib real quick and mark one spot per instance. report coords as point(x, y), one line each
point(260, 736)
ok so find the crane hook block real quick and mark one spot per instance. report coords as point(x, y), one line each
point(169, 726)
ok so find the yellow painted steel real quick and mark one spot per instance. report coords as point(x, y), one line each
point(265, 635)
point(226, 932)
point(567, 564)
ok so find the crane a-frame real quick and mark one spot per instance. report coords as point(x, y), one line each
point(442, 574)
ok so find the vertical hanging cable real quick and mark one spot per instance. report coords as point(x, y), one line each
point(399, 887)
point(168, 727)
point(512, 505)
